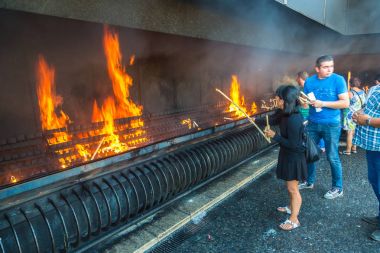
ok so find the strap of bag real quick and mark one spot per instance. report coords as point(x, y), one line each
point(357, 94)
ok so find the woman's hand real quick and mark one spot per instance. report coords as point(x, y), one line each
point(269, 133)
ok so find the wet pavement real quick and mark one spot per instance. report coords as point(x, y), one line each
point(248, 221)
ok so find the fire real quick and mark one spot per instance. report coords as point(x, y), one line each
point(109, 112)
point(83, 151)
point(115, 137)
point(96, 113)
point(187, 122)
point(239, 100)
point(13, 179)
point(121, 81)
point(132, 60)
point(48, 100)
point(235, 96)
point(253, 108)
point(119, 106)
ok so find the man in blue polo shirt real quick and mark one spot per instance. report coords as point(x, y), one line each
point(330, 92)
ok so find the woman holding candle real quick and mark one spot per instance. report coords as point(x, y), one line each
point(291, 166)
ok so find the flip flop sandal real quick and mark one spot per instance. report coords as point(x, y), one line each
point(344, 152)
point(293, 225)
point(284, 209)
point(354, 151)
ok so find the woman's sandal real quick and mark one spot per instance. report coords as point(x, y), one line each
point(354, 151)
point(344, 152)
point(284, 209)
point(289, 225)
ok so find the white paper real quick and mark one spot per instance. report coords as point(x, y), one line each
point(312, 98)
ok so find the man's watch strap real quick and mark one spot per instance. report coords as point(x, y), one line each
point(368, 121)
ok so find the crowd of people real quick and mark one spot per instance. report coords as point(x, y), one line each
point(321, 118)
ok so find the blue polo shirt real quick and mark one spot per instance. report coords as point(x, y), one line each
point(326, 89)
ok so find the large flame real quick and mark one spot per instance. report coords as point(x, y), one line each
point(48, 100)
point(121, 81)
point(119, 106)
point(115, 137)
point(109, 112)
point(235, 96)
point(239, 100)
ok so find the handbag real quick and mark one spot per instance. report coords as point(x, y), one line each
point(311, 149)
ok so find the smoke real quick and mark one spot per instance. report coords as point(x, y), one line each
point(184, 50)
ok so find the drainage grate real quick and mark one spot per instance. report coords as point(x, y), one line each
point(199, 223)
point(191, 229)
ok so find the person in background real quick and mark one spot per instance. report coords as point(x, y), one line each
point(357, 102)
point(291, 166)
point(304, 109)
point(367, 136)
point(376, 86)
point(330, 92)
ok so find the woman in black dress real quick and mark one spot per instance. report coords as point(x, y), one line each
point(291, 165)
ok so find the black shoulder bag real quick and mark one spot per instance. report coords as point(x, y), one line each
point(312, 151)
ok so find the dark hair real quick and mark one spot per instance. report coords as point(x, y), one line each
point(290, 96)
point(303, 75)
point(279, 91)
point(353, 84)
point(323, 58)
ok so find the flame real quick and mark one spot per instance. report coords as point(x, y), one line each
point(97, 115)
point(109, 112)
point(83, 151)
point(121, 81)
point(132, 60)
point(48, 101)
point(187, 122)
point(253, 108)
point(13, 179)
point(235, 96)
point(114, 107)
point(119, 106)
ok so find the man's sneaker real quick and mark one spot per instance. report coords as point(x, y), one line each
point(371, 220)
point(334, 193)
point(375, 235)
point(305, 185)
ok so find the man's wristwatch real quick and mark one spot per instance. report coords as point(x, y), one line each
point(368, 121)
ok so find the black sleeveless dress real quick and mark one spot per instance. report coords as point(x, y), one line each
point(291, 159)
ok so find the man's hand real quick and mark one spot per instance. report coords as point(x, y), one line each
point(269, 133)
point(317, 103)
point(360, 118)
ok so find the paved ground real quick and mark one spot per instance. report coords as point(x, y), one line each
point(248, 221)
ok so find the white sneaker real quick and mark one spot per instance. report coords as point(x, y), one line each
point(305, 185)
point(334, 193)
